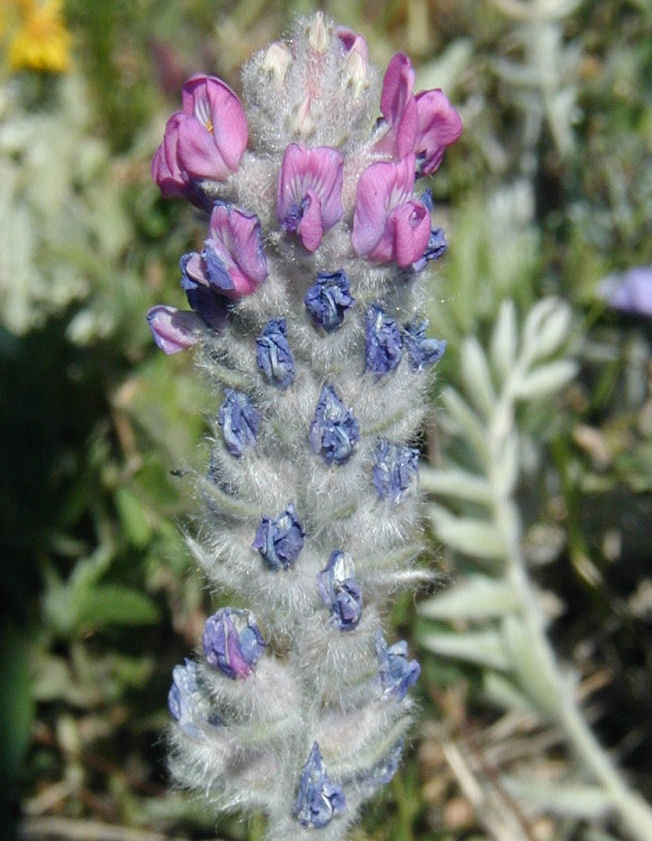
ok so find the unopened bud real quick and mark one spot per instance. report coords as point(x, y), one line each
point(318, 35)
point(277, 59)
point(303, 124)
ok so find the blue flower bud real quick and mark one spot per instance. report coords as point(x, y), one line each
point(328, 299)
point(436, 248)
point(319, 800)
point(188, 705)
point(239, 421)
point(384, 344)
point(422, 351)
point(395, 466)
point(273, 354)
point(397, 674)
point(334, 431)
point(204, 300)
point(279, 541)
point(232, 642)
point(383, 771)
point(340, 591)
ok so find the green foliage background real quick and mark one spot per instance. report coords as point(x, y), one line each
point(548, 191)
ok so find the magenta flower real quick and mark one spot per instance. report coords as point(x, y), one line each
point(173, 330)
point(309, 192)
point(439, 125)
point(206, 140)
point(399, 108)
point(425, 124)
point(388, 223)
point(352, 42)
point(232, 261)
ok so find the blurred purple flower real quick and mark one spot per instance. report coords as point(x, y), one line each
point(630, 292)
point(309, 192)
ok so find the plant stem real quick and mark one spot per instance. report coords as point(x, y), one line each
point(634, 812)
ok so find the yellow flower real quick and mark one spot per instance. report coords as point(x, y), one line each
point(42, 41)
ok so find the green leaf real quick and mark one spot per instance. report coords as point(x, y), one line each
point(474, 537)
point(569, 799)
point(133, 518)
point(482, 647)
point(476, 597)
point(114, 605)
point(456, 483)
point(546, 379)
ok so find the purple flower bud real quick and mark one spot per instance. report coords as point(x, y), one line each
point(188, 705)
point(205, 300)
point(232, 642)
point(395, 466)
point(280, 541)
point(273, 354)
point(340, 591)
point(309, 192)
point(436, 248)
point(206, 140)
point(352, 42)
point(334, 431)
point(422, 352)
point(319, 800)
point(398, 108)
point(389, 225)
point(397, 674)
point(383, 341)
point(382, 772)
point(328, 299)
point(232, 261)
point(239, 421)
point(438, 126)
point(173, 330)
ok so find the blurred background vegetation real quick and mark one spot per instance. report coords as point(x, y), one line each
point(548, 192)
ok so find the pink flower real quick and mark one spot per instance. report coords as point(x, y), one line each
point(398, 107)
point(309, 192)
point(388, 224)
point(173, 330)
point(439, 126)
point(352, 42)
point(425, 124)
point(232, 261)
point(206, 140)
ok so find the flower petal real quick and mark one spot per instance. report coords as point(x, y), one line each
point(173, 330)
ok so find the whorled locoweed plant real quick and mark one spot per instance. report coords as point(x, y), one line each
point(305, 313)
